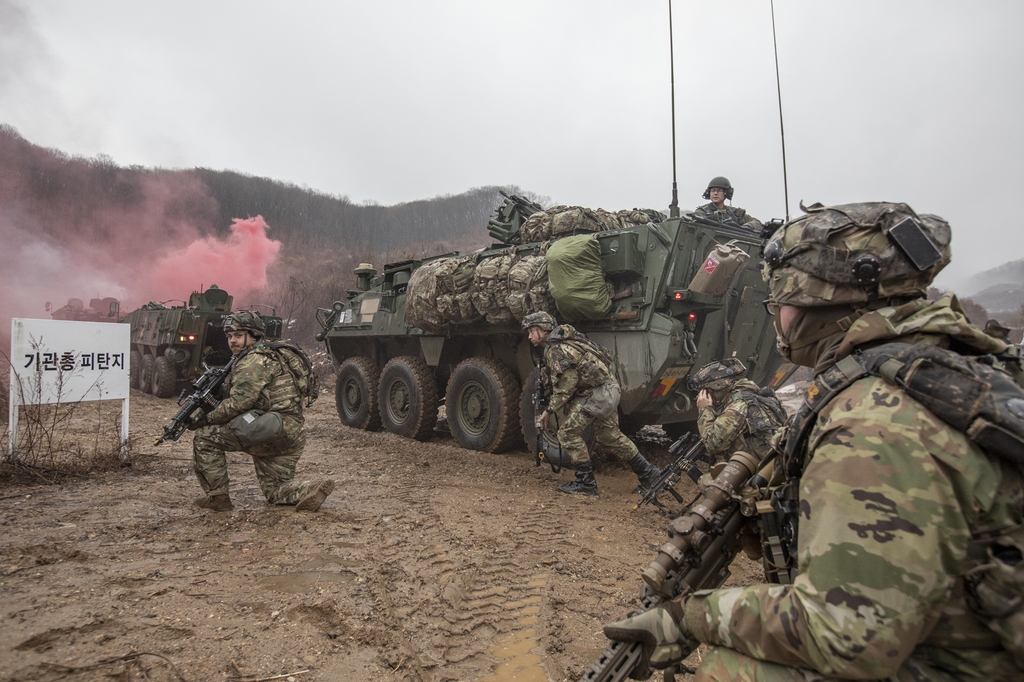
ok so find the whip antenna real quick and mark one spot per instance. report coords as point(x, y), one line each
point(782, 129)
point(674, 206)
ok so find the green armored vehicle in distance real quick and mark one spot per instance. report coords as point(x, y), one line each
point(171, 345)
point(682, 291)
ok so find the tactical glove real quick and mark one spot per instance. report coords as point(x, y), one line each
point(197, 423)
point(661, 632)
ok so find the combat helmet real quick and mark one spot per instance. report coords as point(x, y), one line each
point(717, 376)
point(722, 182)
point(542, 320)
point(853, 254)
point(245, 321)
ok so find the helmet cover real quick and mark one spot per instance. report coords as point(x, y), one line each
point(542, 320)
point(245, 320)
point(845, 255)
point(717, 375)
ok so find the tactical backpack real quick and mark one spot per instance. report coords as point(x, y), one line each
point(971, 396)
point(300, 367)
point(764, 413)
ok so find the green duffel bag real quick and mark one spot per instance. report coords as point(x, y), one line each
point(575, 279)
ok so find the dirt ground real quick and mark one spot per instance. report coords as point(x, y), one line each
point(429, 562)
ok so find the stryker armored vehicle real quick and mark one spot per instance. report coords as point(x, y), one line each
point(173, 344)
point(99, 310)
point(683, 291)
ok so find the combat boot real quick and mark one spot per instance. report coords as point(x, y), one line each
point(215, 502)
point(316, 496)
point(585, 483)
point(645, 471)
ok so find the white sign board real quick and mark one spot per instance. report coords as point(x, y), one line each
point(59, 361)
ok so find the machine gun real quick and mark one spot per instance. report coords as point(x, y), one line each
point(692, 448)
point(702, 543)
point(202, 399)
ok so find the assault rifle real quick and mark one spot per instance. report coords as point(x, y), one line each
point(203, 398)
point(702, 543)
point(692, 448)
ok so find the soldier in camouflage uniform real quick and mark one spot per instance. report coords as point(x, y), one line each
point(893, 502)
point(259, 384)
point(577, 373)
point(733, 414)
point(719, 189)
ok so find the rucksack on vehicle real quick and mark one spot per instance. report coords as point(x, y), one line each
point(300, 367)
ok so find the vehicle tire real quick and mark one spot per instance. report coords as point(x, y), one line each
point(134, 369)
point(146, 374)
point(528, 417)
point(165, 377)
point(408, 397)
point(355, 394)
point(481, 403)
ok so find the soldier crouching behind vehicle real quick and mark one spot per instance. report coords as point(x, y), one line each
point(907, 523)
point(733, 412)
point(261, 414)
point(578, 376)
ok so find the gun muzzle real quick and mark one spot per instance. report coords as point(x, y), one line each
point(690, 533)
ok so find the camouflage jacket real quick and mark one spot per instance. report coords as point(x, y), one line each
point(724, 428)
point(259, 380)
point(728, 215)
point(572, 366)
point(889, 499)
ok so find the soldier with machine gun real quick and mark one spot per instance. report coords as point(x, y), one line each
point(901, 499)
point(261, 414)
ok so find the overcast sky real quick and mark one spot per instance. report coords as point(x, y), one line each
point(397, 100)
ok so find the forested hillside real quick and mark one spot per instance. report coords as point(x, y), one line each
point(84, 227)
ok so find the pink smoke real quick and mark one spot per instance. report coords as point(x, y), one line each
point(238, 263)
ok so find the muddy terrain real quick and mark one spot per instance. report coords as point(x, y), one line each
point(429, 562)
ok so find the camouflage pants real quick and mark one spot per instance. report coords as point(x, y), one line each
point(275, 462)
point(607, 435)
point(727, 665)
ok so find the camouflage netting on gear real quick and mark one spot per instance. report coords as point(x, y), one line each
point(528, 287)
point(490, 288)
point(559, 221)
point(439, 294)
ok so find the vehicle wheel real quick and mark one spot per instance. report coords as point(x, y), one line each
point(355, 394)
point(481, 404)
point(134, 369)
point(408, 397)
point(528, 417)
point(165, 378)
point(146, 374)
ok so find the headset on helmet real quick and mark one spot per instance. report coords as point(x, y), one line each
point(722, 183)
point(852, 254)
point(247, 321)
point(543, 320)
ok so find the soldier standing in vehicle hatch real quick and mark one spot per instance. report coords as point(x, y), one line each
point(578, 373)
point(719, 189)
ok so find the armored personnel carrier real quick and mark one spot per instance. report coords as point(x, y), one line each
point(680, 292)
point(99, 310)
point(173, 344)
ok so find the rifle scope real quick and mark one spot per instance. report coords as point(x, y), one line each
point(692, 531)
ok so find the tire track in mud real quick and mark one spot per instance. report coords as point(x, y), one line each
point(469, 604)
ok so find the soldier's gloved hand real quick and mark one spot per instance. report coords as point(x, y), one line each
point(661, 632)
point(197, 423)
